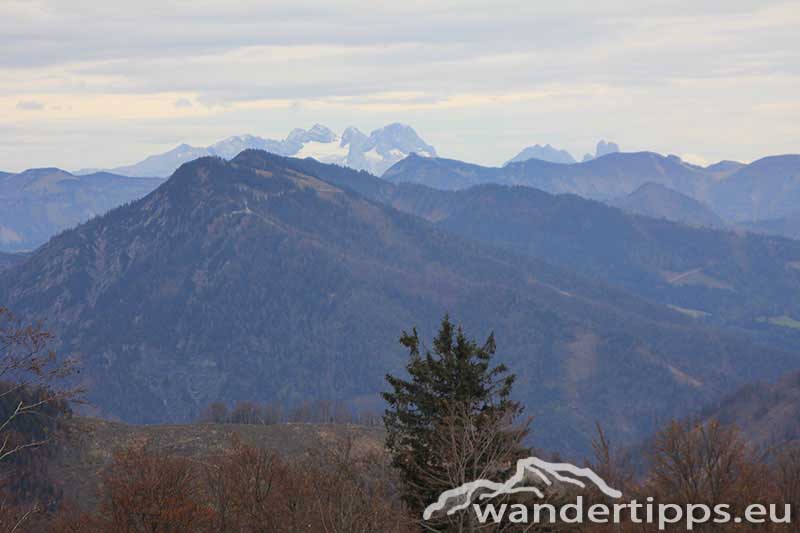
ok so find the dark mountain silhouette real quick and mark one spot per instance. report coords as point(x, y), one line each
point(658, 201)
point(254, 279)
point(38, 203)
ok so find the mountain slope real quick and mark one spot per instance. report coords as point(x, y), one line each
point(604, 178)
point(11, 260)
point(714, 276)
point(161, 165)
point(730, 279)
point(767, 413)
point(374, 152)
point(723, 169)
point(658, 201)
point(38, 203)
point(788, 226)
point(254, 280)
point(445, 174)
point(768, 188)
point(765, 189)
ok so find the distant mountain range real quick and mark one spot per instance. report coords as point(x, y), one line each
point(603, 148)
point(38, 203)
point(604, 178)
point(759, 197)
point(768, 188)
point(554, 155)
point(374, 152)
point(545, 153)
point(280, 279)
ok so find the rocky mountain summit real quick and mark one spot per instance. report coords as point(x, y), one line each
point(374, 153)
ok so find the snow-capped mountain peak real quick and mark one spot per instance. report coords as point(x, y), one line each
point(318, 133)
point(322, 133)
point(353, 135)
point(396, 139)
point(374, 153)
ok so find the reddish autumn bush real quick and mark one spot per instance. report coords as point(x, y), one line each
point(146, 491)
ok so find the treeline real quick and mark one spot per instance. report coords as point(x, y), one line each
point(243, 489)
point(310, 411)
point(337, 489)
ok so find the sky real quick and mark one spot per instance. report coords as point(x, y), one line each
point(101, 83)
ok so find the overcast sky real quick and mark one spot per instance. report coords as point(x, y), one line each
point(103, 83)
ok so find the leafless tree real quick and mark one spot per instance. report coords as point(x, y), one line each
point(611, 464)
point(785, 473)
point(32, 394)
point(705, 463)
point(466, 448)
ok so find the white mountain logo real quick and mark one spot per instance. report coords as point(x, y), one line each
point(458, 499)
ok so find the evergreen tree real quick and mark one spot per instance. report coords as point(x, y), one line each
point(455, 377)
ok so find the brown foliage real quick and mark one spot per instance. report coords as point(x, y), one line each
point(704, 463)
point(144, 491)
point(255, 490)
point(244, 489)
point(785, 474)
point(247, 489)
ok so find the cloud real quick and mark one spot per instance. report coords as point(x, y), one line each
point(29, 105)
point(477, 82)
